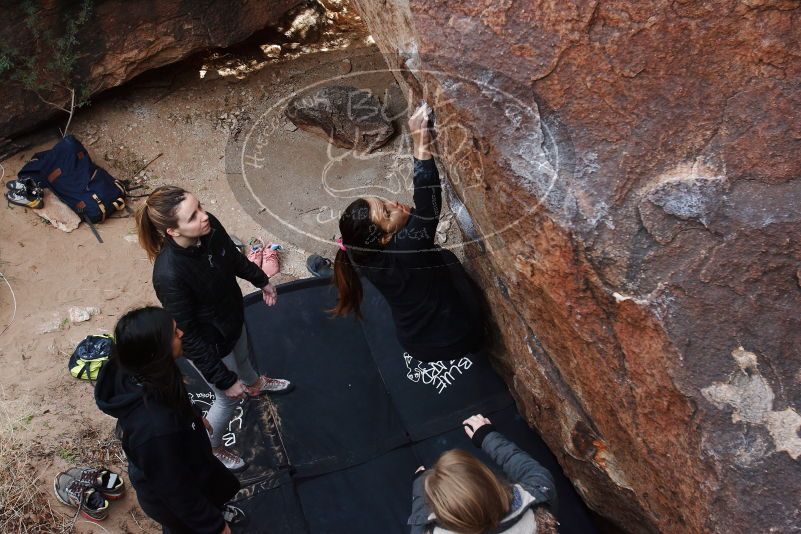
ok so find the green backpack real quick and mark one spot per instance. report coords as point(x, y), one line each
point(90, 356)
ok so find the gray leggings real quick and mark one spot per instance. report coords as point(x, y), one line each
point(223, 408)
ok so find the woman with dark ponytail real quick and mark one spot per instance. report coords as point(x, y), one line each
point(434, 304)
point(177, 478)
point(194, 275)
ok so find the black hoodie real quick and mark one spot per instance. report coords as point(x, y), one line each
point(170, 462)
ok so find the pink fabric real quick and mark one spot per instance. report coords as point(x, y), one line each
point(266, 259)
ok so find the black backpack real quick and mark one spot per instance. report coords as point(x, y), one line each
point(68, 170)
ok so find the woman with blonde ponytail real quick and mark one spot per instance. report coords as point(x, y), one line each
point(435, 306)
point(194, 275)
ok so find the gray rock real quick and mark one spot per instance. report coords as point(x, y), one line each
point(57, 213)
point(346, 116)
point(82, 314)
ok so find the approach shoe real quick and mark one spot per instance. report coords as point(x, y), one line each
point(89, 503)
point(231, 461)
point(265, 384)
point(22, 198)
point(319, 266)
point(107, 483)
point(234, 516)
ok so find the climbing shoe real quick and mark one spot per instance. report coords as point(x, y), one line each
point(231, 461)
point(265, 384)
point(319, 266)
point(88, 502)
point(105, 482)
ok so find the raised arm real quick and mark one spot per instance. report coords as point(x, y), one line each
point(420, 231)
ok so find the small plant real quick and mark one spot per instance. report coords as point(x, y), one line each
point(68, 455)
point(55, 78)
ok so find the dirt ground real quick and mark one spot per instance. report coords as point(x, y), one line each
point(198, 127)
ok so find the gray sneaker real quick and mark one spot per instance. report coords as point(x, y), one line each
point(319, 266)
point(71, 492)
point(231, 461)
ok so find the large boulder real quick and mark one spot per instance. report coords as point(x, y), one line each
point(631, 168)
point(114, 42)
point(345, 116)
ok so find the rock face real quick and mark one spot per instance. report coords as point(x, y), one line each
point(631, 169)
point(345, 116)
point(118, 41)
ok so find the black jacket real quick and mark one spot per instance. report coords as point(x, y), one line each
point(436, 313)
point(170, 462)
point(197, 286)
point(532, 483)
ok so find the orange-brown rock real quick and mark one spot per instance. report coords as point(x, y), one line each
point(631, 169)
point(120, 40)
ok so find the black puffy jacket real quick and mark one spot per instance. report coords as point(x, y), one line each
point(197, 286)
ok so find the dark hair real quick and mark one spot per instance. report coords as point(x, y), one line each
point(156, 215)
point(143, 347)
point(361, 237)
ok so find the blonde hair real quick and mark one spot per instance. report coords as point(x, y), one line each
point(156, 215)
point(465, 495)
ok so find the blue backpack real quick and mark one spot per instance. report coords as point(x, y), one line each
point(68, 170)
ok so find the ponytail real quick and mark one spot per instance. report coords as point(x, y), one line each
point(360, 239)
point(156, 215)
point(349, 286)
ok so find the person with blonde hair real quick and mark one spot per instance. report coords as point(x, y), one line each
point(461, 495)
point(195, 268)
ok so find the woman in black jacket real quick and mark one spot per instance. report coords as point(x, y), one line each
point(194, 275)
point(178, 480)
point(434, 305)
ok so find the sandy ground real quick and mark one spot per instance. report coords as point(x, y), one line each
point(197, 125)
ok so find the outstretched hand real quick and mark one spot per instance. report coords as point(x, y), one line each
point(473, 423)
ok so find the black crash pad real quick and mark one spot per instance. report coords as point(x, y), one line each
point(337, 455)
